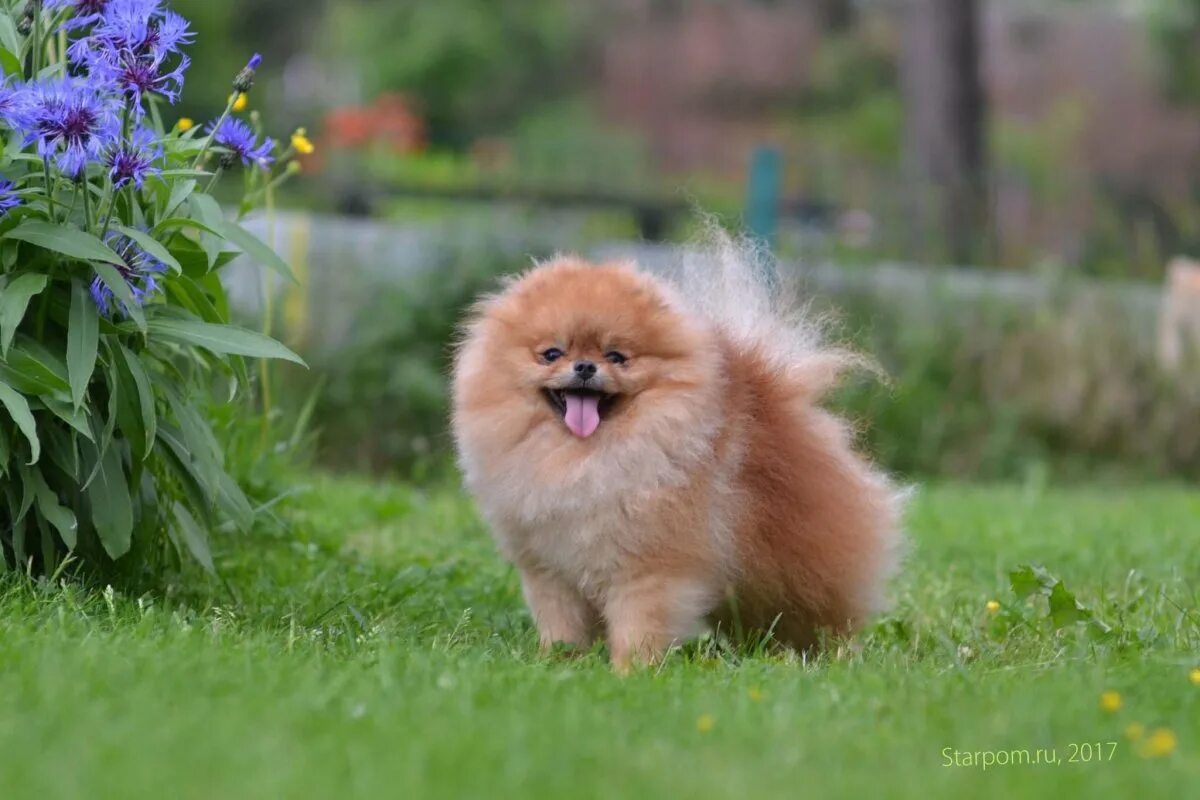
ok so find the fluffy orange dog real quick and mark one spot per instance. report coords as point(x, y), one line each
point(651, 455)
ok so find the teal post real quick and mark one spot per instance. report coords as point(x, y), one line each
point(762, 195)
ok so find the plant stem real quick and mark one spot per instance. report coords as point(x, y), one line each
point(213, 180)
point(111, 195)
point(264, 371)
point(35, 46)
point(49, 187)
point(74, 202)
point(89, 223)
point(126, 117)
point(208, 140)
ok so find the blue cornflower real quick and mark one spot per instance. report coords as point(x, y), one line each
point(143, 27)
point(72, 121)
point(15, 107)
point(8, 197)
point(86, 11)
point(132, 47)
point(241, 142)
point(133, 161)
point(139, 271)
point(135, 76)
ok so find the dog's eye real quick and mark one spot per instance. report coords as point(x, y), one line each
point(615, 358)
point(553, 354)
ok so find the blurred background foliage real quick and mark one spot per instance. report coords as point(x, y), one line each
point(1056, 139)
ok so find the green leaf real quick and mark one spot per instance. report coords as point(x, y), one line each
point(61, 445)
point(69, 241)
point(112, 508)
point(1030, 579)
point(27, 493)
point(35, 365)
point(221, 339)
point(83, 341)
point(175, 456)
point(10, 63)
point(188, 294)
point(13, 303)
point(153, 247)
point(135, 408)
point(8, 35)
point(174, 223)
point(18, 409)
point(200, 445)
point(1064, 608)
point(255, 248)
point(68, 413)
point(180, 191)
point(195, 538)
point(104, 439)
point(61, 517)
point(17, 537)
point(232, 501)
point(113, 280)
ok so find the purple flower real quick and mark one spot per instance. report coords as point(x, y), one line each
point(8, 197)
point(136, 76)
point(15, 107)
point(86, 11)
point(143, 27)
point(139, 272)
point(132, 47)
point(133, 161)
point(72, 122)
point(241, 142)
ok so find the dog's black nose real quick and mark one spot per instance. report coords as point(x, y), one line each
point(584, 369)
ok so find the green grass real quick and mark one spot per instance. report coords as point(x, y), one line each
point(382, 650)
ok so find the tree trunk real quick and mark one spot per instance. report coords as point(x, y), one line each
point(945, 127)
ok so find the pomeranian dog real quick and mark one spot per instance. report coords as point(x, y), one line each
point(652, 457)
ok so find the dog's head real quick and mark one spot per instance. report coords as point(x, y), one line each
point(581, 353)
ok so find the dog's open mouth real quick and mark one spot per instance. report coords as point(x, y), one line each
point(581, 409)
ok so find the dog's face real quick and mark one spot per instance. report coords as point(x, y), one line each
point(579, 352)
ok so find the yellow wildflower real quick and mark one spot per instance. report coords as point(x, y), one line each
point(1160, 743)
point(705, 723)
point(756, 694)
point(1194, 676)
point(185, 124)
point(239, 101)
point(1135, 731)
point(992, 606)
point(1110, 702)
point(302, 143)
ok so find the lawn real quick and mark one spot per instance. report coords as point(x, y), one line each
point(380, 649)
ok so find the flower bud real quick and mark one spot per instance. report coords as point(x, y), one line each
point(25, 24)
point(244, 81)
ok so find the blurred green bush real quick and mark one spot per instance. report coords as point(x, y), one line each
point(1057, 389)
point(992, 390)
point(381, 399)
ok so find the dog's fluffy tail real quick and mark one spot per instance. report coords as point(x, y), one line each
point(737, 285)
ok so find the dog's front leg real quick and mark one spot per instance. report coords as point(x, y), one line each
point(647, 615)
point(562, 614)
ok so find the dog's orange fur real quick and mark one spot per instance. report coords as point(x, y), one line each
point(715, 489)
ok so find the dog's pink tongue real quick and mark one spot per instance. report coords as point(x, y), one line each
point(583, 413)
